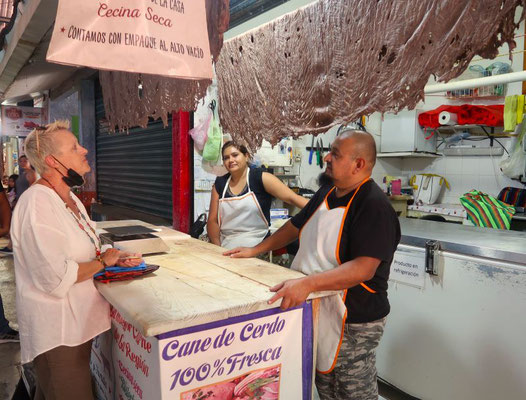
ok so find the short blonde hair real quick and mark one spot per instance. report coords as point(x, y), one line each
point(40, 143)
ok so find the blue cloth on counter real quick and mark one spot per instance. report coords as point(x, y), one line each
point(116, 269)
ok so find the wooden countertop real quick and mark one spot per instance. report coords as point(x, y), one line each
point(196, 284)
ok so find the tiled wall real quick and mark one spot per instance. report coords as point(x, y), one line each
point(463, 174)
point(387, 166)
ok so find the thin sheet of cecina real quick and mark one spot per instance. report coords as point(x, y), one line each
point(126, 106)
point(334, 60)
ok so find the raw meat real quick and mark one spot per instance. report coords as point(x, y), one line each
point(126, 106)
point(333, 61)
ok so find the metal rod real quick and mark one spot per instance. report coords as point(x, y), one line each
point(477, 82)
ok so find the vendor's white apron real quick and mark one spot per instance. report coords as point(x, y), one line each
point(319, 252)
point(241, 219)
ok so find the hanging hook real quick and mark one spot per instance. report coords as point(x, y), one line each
point(139, 87)
point(212, 105)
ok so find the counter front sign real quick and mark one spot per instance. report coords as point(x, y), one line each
point(160, 37)
point(20, 121)
point(264, 355)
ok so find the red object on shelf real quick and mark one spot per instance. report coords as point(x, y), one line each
point(492, 115)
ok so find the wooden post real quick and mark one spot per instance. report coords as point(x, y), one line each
point(182, 171)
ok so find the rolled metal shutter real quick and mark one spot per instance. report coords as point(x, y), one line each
point(134, 169)
point(243, 10)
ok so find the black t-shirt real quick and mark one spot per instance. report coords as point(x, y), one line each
point(256, 185)
point(371, 229)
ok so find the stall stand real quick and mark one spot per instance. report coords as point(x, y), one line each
point(200, 328)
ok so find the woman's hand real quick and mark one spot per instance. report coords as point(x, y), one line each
point(129, 259)
point(110, 257)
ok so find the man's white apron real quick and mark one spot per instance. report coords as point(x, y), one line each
point(319, 252)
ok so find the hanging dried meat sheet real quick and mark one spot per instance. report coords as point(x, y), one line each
point(127, 106)
point(334, 60)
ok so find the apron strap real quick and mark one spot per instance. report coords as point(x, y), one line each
point(248, 181)
point(326, 205)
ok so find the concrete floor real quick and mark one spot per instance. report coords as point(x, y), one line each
point(10, 352)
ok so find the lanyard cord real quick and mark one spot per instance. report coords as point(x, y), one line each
point(79, 223)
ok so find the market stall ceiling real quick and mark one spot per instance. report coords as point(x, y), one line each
point(332, 61)
point(34, 20)
point(38, 75)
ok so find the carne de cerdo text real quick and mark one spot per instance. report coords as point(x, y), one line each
point(180, 348)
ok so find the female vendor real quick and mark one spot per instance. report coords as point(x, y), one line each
point(240, 205)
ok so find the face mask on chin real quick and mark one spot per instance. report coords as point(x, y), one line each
point(73, 179)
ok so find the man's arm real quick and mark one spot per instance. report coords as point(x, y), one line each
point(282, 237)
point(5, 214)
point(349, 274)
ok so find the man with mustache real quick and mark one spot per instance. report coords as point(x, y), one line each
point(348, 234)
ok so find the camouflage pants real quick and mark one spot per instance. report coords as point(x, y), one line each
point(354, 377)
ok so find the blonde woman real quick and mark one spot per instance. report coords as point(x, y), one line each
point(57, 252)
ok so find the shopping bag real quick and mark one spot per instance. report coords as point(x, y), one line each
point(212, 148)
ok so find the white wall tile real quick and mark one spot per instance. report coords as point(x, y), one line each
point(388, 166)
point(439, 165)
point(455, 181)
point(488, 184)
point(453, 165)
point(470, 166)
point(469, 182)
point(487, 166)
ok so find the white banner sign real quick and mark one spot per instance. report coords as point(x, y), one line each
point(160, 37)
point(264, 355)
point(409, 268)
point(20, 121)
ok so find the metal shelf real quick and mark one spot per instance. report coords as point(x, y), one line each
point(473, 151)
point(408, 154)
point(445, 129)
point(475, 97)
